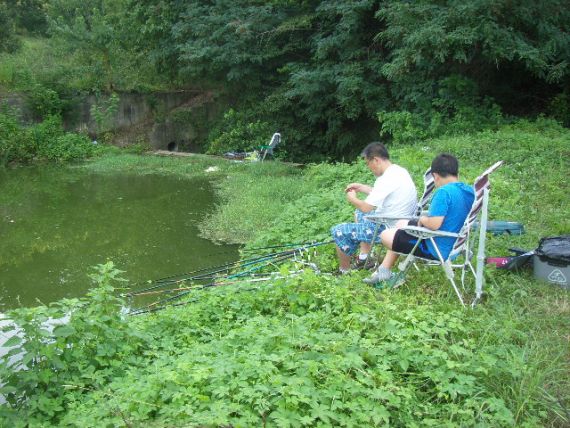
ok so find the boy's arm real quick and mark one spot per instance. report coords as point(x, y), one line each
point(433, 223)
point(437, 211)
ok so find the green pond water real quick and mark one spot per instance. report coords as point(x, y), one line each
point(58, 222)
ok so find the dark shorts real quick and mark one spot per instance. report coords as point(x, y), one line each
point(404, 243)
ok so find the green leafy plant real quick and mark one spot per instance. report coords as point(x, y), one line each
point(103, 111)
point(46, 140)
point(44, 101)
point(237, 133)
point(66, 349)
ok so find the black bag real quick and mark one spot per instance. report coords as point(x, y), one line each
point(555, 249)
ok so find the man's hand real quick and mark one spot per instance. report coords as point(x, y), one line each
point(351, 195)
point(358, 187)
point(357, 203)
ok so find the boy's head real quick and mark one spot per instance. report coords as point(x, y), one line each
point(445, 165)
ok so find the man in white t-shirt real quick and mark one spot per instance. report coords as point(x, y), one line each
point(393, 194)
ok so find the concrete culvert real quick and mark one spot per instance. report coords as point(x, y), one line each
point(172, 147)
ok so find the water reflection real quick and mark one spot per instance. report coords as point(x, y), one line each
point(55, 223)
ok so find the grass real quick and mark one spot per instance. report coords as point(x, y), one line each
point(319, 350)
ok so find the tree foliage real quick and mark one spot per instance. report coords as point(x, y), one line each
point(322, 71)
point(330, 75)
point(8, 40)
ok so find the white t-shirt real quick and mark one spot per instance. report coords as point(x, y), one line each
point(394, 193)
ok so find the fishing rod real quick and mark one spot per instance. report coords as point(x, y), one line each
point(275, 257)
point(214, 283)
point(226, 265)
point(299, 244)
point(256, 278)
point(184, 277)
point(207, 275)
point(163, 282)
point(149, 309)
point(236, 275)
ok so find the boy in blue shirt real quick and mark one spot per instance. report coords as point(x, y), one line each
point(448, 210)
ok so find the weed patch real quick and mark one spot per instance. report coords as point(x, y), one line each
point(319, 350)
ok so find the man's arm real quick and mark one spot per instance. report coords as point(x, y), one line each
point(363, 206)
point(358, 187)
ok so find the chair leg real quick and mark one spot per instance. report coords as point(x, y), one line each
point(403, 266)
point(448, 269)
point(456, 291)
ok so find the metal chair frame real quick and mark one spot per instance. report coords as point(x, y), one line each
point(388, 221)
point(275, 140)
point(462, 247)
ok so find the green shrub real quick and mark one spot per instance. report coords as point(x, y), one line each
point(8, 40)
point(44, 101)
point(559, 108)
point(67, 147)
point(457, 109)
point(15, 142)
point(77, 354)
point(238, 133)
point(46, 140)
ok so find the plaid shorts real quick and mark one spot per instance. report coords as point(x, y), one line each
point(348, 236)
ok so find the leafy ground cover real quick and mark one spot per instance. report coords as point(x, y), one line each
point(320, 350)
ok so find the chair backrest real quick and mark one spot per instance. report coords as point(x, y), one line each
point(429, 186)
point(275, 140)
point(480, 185)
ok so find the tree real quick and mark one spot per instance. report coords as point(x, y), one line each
point(94, 29)
point(321, 71)
point(517, 52)
point(8, 41)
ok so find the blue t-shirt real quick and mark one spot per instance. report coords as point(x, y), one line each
point(453, 202)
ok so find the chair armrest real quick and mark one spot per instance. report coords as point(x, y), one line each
point(424, 232)
point(377, 218)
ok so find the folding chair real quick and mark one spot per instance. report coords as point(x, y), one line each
point(387, 221)
point(462, 248)
point(275, 140)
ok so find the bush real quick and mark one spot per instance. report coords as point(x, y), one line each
point(71, 345)
point(8, 41)
point(44, 101)
point(67, 147)
point(46, 140)
point(458, 109)
point(238, 133)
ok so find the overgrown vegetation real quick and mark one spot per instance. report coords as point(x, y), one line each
point(43, 141)
point(315, 349)
point(321, 73)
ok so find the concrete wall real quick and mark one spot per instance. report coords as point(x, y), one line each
point(157, 118)
point(166, 120)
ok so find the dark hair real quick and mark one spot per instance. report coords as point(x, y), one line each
point(445, 165)
point(374, 150)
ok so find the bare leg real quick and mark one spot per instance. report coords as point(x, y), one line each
point(390, 259)
point(365, 248)
point(387, 237)
point(343, 259)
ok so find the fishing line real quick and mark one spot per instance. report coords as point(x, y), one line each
point(270, 259)
point(300, 244)
point(214, 283)
point(230, 264)
point(148, 309)
point(184, 277)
